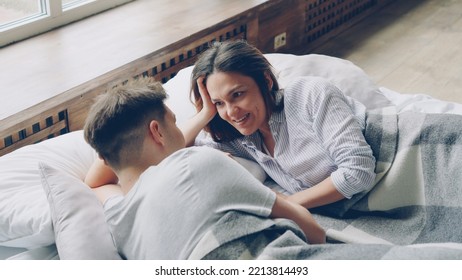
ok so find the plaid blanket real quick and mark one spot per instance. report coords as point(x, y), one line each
point(242, 236)
point(416, 198)
point(414, 210)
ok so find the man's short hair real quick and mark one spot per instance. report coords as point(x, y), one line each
point(119, 119)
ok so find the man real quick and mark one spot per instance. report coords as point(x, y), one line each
point(172, 196)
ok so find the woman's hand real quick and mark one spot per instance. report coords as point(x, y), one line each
point(193, 126)
point(209, 109)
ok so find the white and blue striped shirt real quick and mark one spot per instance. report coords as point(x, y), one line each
point(318, 134)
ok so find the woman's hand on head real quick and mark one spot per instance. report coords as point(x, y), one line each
point(193, 126)
point(209, 109)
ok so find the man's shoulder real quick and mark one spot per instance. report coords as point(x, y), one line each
point(200, 154)
point(182, 165)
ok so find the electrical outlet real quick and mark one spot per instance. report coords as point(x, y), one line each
point(280, 40)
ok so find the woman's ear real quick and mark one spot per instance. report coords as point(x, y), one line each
point(269, 80)
point(155, 133)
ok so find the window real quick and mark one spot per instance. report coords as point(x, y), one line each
point(20, 19)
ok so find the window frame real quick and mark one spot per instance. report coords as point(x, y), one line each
point(53, 16)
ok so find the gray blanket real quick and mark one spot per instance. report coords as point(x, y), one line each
point(238, 236)
point(417, 196)
point(414, 210)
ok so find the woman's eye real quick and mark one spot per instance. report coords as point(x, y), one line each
point(218, 103)
point(237, 94)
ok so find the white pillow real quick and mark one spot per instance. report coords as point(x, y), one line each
point(80, 227)
point(351, 79)
point(178, 95)
point(348, 77)
point(24, 210)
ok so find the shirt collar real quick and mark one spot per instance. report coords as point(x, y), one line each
point(252, 141)
point(277, 117)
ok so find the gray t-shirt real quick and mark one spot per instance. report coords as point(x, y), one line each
point(176, 202)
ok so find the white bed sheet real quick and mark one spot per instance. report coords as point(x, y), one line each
point(420, 103)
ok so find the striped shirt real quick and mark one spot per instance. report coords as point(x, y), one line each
point(318, 134)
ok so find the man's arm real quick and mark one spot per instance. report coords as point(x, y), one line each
point(283, 208)
point(100, 174)
point(106, 191)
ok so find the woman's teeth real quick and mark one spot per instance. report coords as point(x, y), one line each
point(242, 119)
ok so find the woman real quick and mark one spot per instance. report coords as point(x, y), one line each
point(308, 137)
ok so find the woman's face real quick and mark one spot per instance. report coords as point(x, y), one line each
point(238, 100)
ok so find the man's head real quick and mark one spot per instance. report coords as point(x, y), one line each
point(125, 119)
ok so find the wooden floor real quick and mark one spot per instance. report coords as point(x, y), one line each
point(412, 46)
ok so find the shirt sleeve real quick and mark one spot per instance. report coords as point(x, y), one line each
point(339, 131)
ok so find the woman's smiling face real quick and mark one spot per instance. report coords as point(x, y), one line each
point(238, 101)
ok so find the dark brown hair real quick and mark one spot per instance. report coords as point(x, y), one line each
point(238, 57)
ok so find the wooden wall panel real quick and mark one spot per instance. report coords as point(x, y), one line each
point(279, 17)
point(309, 23)
point(47, 125)
point(327, 18)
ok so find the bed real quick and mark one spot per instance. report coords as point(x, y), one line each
point(46, 212)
